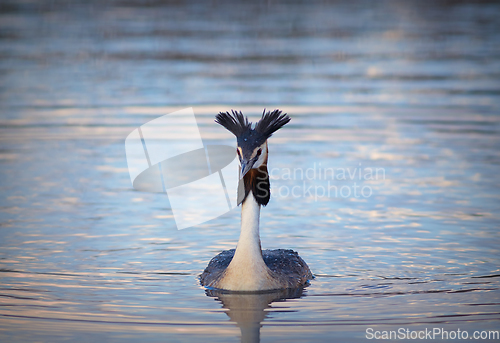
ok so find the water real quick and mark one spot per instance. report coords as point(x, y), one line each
point(406, 89)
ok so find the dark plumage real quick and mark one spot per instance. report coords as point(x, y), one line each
point(249, 138)
point(285, 262)
point(257, 181)
point(236, 123)
point(271, 122)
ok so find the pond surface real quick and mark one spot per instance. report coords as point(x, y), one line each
point(395, 113)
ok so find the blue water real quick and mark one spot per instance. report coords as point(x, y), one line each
point(407, 89)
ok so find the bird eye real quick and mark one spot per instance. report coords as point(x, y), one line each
point(259, 152)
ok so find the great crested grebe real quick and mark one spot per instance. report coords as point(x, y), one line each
point(248, 268)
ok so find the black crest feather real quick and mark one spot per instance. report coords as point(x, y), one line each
point(271, 122)
point(236, 123)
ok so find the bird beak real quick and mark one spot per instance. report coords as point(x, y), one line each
point(245, 167)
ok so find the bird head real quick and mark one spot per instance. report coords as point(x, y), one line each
point(252, 141)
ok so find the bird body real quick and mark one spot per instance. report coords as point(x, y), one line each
point(248, 268)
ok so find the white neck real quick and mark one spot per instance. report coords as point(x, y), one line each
point(249, 243)
point(247, 270)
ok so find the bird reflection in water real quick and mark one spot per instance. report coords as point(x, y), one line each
point(247, 309)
